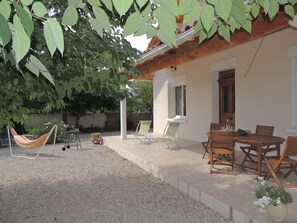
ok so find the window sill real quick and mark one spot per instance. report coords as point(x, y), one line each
point(292, 130)
point(178, 119)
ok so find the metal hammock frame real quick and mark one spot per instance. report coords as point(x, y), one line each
point(24, 142)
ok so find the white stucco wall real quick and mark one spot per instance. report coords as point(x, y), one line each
point(263, 95)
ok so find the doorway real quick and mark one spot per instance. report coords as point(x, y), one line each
point(227, 97)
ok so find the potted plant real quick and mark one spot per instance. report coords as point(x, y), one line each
point(96, 138)
point(273, 199)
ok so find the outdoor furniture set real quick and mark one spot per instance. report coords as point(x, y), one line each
point(221, 143)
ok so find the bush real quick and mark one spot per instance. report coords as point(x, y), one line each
point(46, 127)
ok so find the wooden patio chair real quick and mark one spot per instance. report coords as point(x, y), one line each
point(169, 135)
point(221, 151)
point(205, 144)
point(285, 161)
point(142, 131)
point(251, 151)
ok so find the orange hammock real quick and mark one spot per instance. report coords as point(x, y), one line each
point(26, 143)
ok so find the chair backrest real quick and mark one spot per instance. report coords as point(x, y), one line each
point(216, 126)
point(222, 139)
point(171, 130)
point(291, 146)
point(264, 130)
point(144, 127)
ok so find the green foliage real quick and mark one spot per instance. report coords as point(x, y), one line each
point(140, 98)
point(46, 127)
point(269, 194)
point(54, 60)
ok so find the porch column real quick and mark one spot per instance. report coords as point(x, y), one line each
point(123, 117)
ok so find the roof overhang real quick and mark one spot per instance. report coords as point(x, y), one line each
point(188, 48)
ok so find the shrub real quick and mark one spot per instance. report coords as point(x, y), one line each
point(46, 127)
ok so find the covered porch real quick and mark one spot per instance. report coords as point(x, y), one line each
point(186, 170)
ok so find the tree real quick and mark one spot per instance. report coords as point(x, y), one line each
point(90, 64)
point(141, 97)
point(34, 36)
point(82, 103)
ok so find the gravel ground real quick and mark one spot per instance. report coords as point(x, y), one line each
point(90, 185)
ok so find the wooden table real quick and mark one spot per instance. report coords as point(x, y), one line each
point(259, 141)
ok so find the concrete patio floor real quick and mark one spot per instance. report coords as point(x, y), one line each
point(186, 170)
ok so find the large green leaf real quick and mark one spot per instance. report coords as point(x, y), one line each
point(25, 18)
point(248, 26)
point(102, 18)
point(133, 24)
point(34, 65)
point(207, 16)
point(165, 19)
point(39, 9)
point(223, 9)
point(27, 2)
point(141, 3)
point(97, 26)
point(74, 3)
point(255, 10)
point(166, 37)
point(194, 14)
point(70, 16)
point(54, 36)
point(171, 6)
point(151, 31)
point(292, 2)
point(282, 2)
point(95, 2)
point(5, 9)
point(20, 40)
point(273, 9)
point(238, 11)
point(266, 6)
point(108, 4)
point(122, 6)
point(224, 31)
point(5, 33)
point(186, 6)
point(202, 35)
point(289, 9)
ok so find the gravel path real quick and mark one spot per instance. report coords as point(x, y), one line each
point(90, 185)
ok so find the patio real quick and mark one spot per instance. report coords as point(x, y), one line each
point(186, 170)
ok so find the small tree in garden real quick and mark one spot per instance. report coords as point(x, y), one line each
point(140, 98)
point(82, 103)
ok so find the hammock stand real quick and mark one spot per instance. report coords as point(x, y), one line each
point(26, 143)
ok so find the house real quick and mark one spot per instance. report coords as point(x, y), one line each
point(252, 80)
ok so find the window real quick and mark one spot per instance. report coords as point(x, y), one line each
point(177, 98)
point(180, 100)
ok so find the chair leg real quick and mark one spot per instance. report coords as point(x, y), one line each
point(271, 172)
point(292, 168)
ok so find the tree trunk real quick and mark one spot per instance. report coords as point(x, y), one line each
point(64, 117)
point(77, 121)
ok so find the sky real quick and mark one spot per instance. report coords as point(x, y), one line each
point(139, 42)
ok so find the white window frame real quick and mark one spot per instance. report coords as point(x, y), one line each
point(172, 84)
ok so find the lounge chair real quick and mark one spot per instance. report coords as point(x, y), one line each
point(142, 131)
point(24, 142)
point(169, 135)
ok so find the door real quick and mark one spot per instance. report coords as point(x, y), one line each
point(227, 97)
